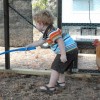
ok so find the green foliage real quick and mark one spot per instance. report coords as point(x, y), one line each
point(40, 4)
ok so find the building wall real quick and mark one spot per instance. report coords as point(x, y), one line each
point(77, 11)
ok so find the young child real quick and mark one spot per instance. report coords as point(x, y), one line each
point(61, 43)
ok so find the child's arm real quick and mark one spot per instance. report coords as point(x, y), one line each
point(62, 50)
point(36, 43)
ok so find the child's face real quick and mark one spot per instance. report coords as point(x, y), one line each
point(39, 26)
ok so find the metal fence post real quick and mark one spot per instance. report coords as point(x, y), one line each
point(59, 13)
point(6, 33)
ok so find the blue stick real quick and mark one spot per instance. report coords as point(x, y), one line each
point(18, 49)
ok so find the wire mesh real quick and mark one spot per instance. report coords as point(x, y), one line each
point(21, 34)
point(1, 24)
point(21, 31)
point(2, 58)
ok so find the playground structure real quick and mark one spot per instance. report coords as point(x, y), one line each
point(83, 43)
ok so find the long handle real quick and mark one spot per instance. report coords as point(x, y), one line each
point(18, 49)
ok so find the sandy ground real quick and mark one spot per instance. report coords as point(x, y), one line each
point(26, 87)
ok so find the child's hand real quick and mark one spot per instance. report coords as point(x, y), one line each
point(27, 46)
point(63, 58)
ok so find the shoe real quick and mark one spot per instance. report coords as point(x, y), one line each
point(61, 85)
point(47, 89)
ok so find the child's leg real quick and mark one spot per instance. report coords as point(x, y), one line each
point(53, 78)
point(61, 81)
point(61, 78)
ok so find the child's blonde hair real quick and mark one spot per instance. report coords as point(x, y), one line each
point(44, 16)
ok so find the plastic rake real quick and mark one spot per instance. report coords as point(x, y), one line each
point(18, 49)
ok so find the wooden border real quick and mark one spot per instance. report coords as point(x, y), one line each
point(44, 72)
point(26, 71)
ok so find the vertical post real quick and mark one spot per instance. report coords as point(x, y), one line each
point(59, 13)
point(6, 33)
